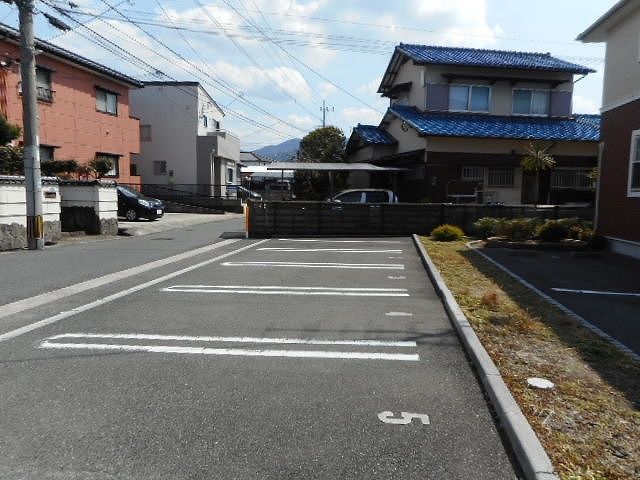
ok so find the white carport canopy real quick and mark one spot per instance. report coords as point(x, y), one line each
point(332, 167)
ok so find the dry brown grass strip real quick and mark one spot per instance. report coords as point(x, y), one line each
point(590, 423)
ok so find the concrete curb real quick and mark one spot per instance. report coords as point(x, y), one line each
point(533, 459)
point(580, 319)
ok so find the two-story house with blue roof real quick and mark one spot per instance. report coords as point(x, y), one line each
point(460, 119)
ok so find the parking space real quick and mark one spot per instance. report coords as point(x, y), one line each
point(604, 289)
point(315, 358)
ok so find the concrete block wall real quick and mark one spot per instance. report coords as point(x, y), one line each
point(90, 206)
point(13, 211)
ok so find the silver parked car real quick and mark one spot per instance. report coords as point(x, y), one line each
point(365, 195)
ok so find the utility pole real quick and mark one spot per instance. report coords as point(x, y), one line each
point(324, 110)
point(35, 223)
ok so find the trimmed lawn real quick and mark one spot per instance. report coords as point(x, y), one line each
point(590, 422)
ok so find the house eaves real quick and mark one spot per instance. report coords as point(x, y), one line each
point(580, 128)
point(597, 32)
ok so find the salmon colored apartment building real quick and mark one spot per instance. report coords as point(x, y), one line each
point(83, 106)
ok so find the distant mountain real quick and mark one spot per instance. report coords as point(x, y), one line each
point(283, 152)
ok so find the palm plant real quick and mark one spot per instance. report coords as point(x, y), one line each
point(536, 159)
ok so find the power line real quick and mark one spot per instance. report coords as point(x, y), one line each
point(305, 65)
point(205, 80)
point(112, 47)
point(339, 43)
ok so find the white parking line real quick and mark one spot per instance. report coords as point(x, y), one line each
point(399, 314)
point(400, 277)
point(284, 290)
point(406, 357)
point(334, 250)
point(203, 338)
point(597, 292)
point(356, 266)
point(83, 308)
point(336, 241)
point(44, 298)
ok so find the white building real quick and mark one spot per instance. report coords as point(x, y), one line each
point(182, 140)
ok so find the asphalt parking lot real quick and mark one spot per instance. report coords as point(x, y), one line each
point(285, 358)
point(604, 290)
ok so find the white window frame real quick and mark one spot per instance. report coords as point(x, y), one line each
point(501, 185)
point(560, 172)
point(513, 91)
point(470, 87)
point(107, 94)
point(633, 160)
point(479, 177)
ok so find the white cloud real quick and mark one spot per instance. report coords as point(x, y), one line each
point(585, 105)
point(269, 83)
point(371, 87)
point(462, 21)
point(365, 115)
point(326, 89)
point(302, 121)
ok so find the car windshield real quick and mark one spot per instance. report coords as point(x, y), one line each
point(131, 193)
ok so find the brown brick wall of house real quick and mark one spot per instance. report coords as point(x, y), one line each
point(618, 214)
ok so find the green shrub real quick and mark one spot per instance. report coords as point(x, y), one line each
point(488, 226)
point(553, 231)
point(447, 233)
point(519, 229)
point(59, 167)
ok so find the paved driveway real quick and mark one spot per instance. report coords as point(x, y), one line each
point(605, 291)
point(288, 359)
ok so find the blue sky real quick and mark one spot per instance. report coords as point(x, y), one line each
point(270, 63)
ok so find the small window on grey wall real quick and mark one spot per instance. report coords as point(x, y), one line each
point(159, 167)
point(230, 175)
point(145, 133)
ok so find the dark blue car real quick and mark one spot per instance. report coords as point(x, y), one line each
point(133, 205)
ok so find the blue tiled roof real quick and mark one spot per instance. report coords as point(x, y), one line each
point(374, 135)
point(425, 54)
point(578, 128)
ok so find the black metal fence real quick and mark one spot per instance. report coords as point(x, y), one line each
point(200, 196)
point(268, 219)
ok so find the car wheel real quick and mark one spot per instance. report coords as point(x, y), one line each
point(131, 214)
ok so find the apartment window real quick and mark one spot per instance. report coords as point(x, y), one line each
point(43, 84)
point(634, 165)
point(217, 126)
point(205, 121)
point(530, 102)
point(230, 175)
point(501, 177)
point(472, 173)
point(145, 133)
point(160, 167)
point(106, 101)
point(113, 159)
point(46, 153)
point(469, 98)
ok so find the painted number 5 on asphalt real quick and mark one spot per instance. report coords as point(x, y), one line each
point(405, 418)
